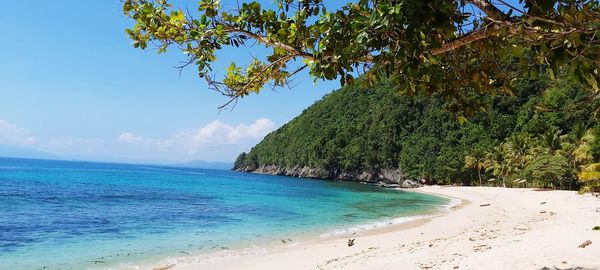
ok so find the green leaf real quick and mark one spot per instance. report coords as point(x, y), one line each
point(551, 73)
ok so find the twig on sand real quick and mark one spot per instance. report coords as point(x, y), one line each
point(351, 242)
point(485, 204)
point(585, 243)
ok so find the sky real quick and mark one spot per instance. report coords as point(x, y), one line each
point(72, 85)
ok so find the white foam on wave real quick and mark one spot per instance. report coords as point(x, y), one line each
point(373, 225)
point(200, 258)
point(395, 221)
point(453, 202)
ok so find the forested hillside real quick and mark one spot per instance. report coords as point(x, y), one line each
point(544, 135)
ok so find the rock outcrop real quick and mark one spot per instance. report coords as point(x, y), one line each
point(390, 176)
point(410, 184)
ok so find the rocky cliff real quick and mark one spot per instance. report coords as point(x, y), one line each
point(391, 176)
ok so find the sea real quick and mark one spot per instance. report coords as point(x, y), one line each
point(87, 215)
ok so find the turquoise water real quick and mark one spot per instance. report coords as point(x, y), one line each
point(82, 215)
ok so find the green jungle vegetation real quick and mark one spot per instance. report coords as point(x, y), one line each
point(545, 135)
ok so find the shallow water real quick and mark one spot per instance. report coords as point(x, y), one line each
point(83, 215)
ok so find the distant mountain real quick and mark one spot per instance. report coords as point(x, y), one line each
point(24, 152)
point(207, 165)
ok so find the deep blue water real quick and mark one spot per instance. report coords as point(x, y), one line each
point(83, 215)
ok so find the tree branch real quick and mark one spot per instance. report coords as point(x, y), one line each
point(466, 39)
point(234, 95)
point(490, 10)
point(530, 15)
point(268, 42)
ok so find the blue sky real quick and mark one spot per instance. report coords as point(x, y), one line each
point(72, 84)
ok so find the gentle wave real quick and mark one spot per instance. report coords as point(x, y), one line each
point(193, 259)
point(395, 221)
point(263, 249)
point(452, 203)
point(374, 225)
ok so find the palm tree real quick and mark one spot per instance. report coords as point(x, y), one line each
point(581, 153)
point(505, 170)
point(577, 149)
point(551, 140)
point(590, 177)
point(518, 151)
point(476, 161)
point(498, 161)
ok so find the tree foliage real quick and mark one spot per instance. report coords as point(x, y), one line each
point(590, 176)
point(541, 136)
point(451, 48)
point(547, 170)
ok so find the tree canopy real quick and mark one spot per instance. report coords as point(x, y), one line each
point(451, 48)
point(542, 136)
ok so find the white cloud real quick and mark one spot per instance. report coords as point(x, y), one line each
point(10, 134)
point(207, 142)
point(256, 130)
point(133, 139)
point(218, 133)
point(128, 137)
point(215, 141)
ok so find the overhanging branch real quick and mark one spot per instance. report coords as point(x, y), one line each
point(269, 42)
point(464, 40)
point(490, 10)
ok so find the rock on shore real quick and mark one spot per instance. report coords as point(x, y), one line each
point(389, 176)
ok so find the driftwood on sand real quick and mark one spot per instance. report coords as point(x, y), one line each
point(351, 242)
point(585, 243)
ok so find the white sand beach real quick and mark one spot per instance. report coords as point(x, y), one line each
point(519, 229)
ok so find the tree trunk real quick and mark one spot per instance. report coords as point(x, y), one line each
point(479, 174)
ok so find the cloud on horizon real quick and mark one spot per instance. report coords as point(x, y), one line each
point(13, 135)
point(215, 141)
point(203, 140)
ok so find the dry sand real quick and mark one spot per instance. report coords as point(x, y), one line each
point(520, 229)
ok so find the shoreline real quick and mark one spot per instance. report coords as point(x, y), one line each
point(375, 227)
point(520, 229)
point(413, 221)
